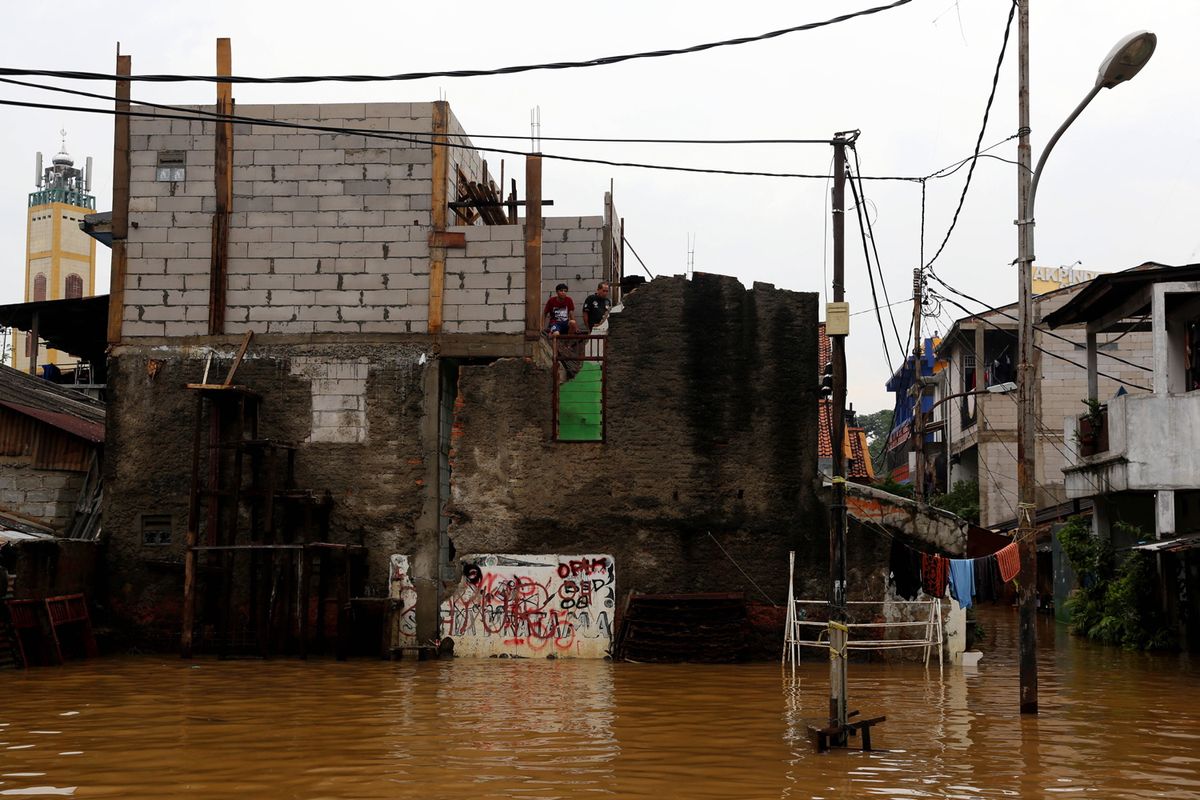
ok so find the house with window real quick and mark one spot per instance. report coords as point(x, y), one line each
point(329, 384)
point(1136, 455)
point(977, 409)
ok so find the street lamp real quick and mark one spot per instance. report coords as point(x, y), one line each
point(1124, 62)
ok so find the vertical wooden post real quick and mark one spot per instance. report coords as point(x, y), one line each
point(193, 527)
point(838, 701)
point(34, 343)
point(533, 245)
point(438, 207)
point(1026, 377)
point(223, 185)
point(120, 205)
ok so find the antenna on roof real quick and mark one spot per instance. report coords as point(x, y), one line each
point(535, 129)
point(691, 256)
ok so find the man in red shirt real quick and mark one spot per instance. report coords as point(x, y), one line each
point(559, 313)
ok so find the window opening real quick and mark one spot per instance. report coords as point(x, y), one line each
point(74, 287)
point(580, 397)
point(156, 530)
point(172, 166)
point(39, 288)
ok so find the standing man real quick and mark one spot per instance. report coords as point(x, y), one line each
point(559, 313)
point(596, 306)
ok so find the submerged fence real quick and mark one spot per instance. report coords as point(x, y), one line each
point(804, 626)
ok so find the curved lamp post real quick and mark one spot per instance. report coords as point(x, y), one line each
point(1124, 62)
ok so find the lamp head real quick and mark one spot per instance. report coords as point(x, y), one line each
point(1126, 59)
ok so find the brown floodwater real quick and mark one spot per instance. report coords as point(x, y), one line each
point(1113, 724)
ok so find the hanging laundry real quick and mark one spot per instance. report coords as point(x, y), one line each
point(935, 573)
point(962, 580)
point(987, 579)
point(1009, 560)
point(906, 570)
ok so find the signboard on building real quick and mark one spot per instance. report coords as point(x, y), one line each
point(1049, 279)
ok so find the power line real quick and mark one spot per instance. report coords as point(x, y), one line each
point(979, 139)
point(1040, 329)
point(874, 248)
point(862, 229)
point(515, 137)
point(409, 139)
point(1050, 353)
point(460, 73)
point(194, 114)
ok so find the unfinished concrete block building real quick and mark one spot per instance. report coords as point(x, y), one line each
point(396, 402)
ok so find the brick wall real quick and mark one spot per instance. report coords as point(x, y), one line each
point(328, 232)
point(485, 283)
point(45, 496)
point(573, 253)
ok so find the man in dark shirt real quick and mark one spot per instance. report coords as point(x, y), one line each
point(596, 306)
point(559, 313)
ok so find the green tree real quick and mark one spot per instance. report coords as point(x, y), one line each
point(962, 499)
point(877, 426)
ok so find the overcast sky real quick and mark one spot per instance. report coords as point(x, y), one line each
point(1120, 189)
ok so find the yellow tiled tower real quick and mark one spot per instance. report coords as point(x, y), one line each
point(60, 259)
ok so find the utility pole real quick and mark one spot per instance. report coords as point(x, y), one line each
point(837, 321)
point(1026, 491)
point(918, 393)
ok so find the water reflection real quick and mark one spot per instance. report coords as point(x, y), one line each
point(1113, 725)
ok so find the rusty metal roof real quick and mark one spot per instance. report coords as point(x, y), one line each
point(52, 404)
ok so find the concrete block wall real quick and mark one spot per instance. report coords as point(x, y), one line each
point(572, 253)
point(329, 232)
point(45, 496)
point(485, 283)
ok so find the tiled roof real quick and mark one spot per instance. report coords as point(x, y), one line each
point(824, 351)
point(854, 446)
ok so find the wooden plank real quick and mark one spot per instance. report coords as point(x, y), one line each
point(456, 239)
point(437, 255)
point(237, 361)
point(533, 245)
point(120, 203)
point(223, 184)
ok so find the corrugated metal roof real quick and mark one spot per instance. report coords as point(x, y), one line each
point(83, 428)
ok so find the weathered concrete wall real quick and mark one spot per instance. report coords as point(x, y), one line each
point(355, 410)
point(711, 429)
point(45, 496)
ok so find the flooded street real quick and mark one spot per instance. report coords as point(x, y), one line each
point(1113, 724)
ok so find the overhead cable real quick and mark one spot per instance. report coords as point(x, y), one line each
point(458, 73)
point(979, 139)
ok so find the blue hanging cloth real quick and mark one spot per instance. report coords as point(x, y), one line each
point(962, 580)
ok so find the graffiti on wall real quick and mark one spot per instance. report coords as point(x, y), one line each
point(404, 602)
point(532, 606)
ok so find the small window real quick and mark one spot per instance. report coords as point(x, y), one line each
point(172, 166)
point(39, 288)
point(74, 286)
point(156, 530)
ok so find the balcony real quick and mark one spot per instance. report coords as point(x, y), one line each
point(1138, 442)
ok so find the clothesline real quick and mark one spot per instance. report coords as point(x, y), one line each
point(914, 571)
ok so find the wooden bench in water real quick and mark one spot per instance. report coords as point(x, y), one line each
point(824, 739)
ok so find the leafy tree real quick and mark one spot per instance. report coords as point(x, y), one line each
point(1116, 602)
point(877, 426)
point(962, 499)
